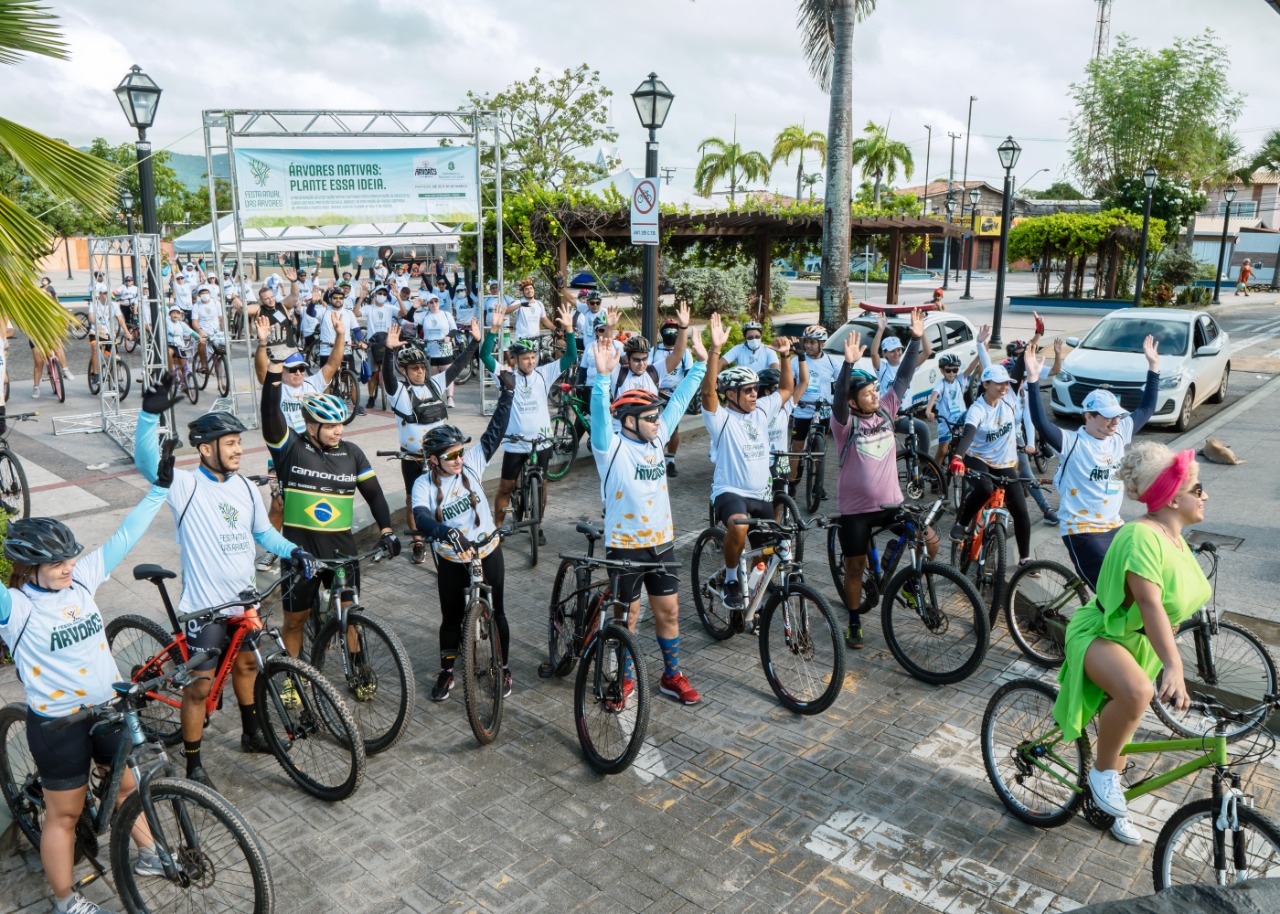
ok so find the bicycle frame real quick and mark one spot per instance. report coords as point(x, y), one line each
point(993, 507)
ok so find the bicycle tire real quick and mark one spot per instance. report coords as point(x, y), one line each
point(15, 493)
point(816, 446)
point(130, 342)
point(93, 379)
point(143, 650)
point(56, 381)
point(610, 719)
point(199, 367)
point(1191, 828)
point(321, 718)
point(565, 449)
point(706, 576)
point(1040, 600)
point(790, 515)
point(383, 719)
point(835, 564)
point(348, 389)
point(926, 646)
point(534, 495)
point(211, 843)
point(481, 658)
point(1243, 674)
point(467, 373)
point(564, 609)
point(988, 579)
point(190, 386)
point(928, 483)
point(123, 379)
point(222, 378)
point(797, 636)
point(78, 326)
point(1025, 711)
point(19, 779)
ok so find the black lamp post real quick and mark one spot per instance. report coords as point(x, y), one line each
point(1009, 151)
point(1229, 195)
point(950, 207)
point(1149, 178)
point(653, 101)
point(974, 196)
point(126, 204)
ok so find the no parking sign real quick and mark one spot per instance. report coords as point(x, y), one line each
point(644, 212)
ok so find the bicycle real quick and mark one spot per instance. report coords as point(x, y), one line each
point(955, 487)
point(214, 364)
point(933, 619)
point(375, 676)
point(15, 494)
point(182, 370)
point(528, 499)
point(112, 373)
point(308, 727)
point(204, 844)
point(919, 476)
point(812, 460)
point(1043, 781)
point(571, 421)
point(481, 653)
point(56, 381)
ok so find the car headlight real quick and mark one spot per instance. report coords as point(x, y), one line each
point(1065, 377)
point(1172, 382)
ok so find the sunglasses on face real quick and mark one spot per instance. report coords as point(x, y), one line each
point(650, 417)
point(295, 369)
point(951, 371)
point(455, 454)
point(1197, 490)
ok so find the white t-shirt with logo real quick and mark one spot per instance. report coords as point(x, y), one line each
point(950, 402)
point(328, 335)
point(996, 443)
point(178, 334)
point(462, 509)
point(633, 487)
point(209, 315)
point(105, 317)
point(127, 294)
point(401, 404)
point(740, 448)
point(528, 319)
point(823, 372)
point(530, 414)
point(778, 424)
point(379, 318)
point(435, 330)
point(1086, 479)
point(757, 361)
point(667, 380)
point(464, 308)
point(589, 358)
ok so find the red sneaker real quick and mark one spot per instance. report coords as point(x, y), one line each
point(678, 687)
point(628, 686)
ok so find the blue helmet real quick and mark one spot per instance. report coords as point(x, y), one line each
point(860, 378)
point(325, 409)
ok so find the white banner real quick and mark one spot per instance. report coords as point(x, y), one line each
point(644, 212)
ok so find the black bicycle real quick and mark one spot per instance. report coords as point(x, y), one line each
point(812, 460)
point(15, 494)
point(529, 498)
point(484, 676)
point(919, 477)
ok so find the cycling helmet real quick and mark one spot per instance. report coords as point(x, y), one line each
point(325, 409)
point(582, 293)
point(212, 426)
point(816, 332)
point(601, 322)
point(860, 378)
point(521, 347)
point(443, 437)
point(633, 402)
point(636, 345)
point(593, 295)
point(770, 377)
point(410, 355)
point(527, 281)
point(752, 325)
point(39, 540)
point(736, 378)
point(1015, 347)
point(670, 324)
point(950, 360)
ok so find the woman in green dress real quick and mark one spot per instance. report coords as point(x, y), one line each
point(1150, 582)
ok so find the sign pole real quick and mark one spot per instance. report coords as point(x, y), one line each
point(644, 231)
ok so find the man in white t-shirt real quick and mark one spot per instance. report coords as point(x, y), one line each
point(127, 297)
point(181, 290)
point(751, 352)
point(104, 318)
point(206, 320)
point(530, 313)
point(379, 315)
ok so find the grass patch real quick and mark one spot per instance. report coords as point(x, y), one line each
point(797, 305)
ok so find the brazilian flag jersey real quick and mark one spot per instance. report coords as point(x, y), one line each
point(319, 488)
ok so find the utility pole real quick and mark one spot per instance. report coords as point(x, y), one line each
point(924, 197)
point(966, 244)
point(946, 242)
point(668, 171)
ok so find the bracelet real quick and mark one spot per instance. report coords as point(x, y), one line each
point(684, 326)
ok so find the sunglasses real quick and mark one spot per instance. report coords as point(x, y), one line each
point(455, 454)
point(951, 371)
point(294, 369)
point(650, 417)
point(1197, 490)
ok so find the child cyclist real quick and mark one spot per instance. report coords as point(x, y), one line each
point(946, 402)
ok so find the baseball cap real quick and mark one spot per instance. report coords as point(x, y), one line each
point(433, 297)
point(997, 374)
point(891, 344)
point(294, 360)
point(1104, 403)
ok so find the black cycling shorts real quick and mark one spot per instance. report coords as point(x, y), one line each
point(63, 758)
point(209, 637)
point(441, 361)
point(856, 529)
point(512, 463)
point(727, 504)
point(300, 593)
point(662, 583)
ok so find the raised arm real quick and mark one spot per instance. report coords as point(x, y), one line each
point(146, 440)
point(882, 322)
point(333, 364)
point(1147, 406)
point(275, 430)
point(853, 350)
point(684, 391)
point(565, 318)
point(1050, 433)
point(491, 440)
point(466, 355)
point(786, 382)
point(719, 336)
point(676, 355)
point(907, 367)
point(601, 422)
point(136, 521)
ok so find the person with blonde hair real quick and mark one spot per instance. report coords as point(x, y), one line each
point(1118, 642)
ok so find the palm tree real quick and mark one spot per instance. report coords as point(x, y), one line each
point(1268, 156)
point(881, 156)
point(64, 172)
point(811, 179)
point(727, 160)
point(794, 141)
point(826, 28)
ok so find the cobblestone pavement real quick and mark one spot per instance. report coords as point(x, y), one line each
point(735, 805)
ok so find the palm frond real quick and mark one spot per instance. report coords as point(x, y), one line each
point(817, 33)
point(29, 28)
point(65, 172)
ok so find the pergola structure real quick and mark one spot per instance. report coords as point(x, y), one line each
point(765, 228)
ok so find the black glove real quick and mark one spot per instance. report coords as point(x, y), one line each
point(391, 543)
point(507, 380)
point(304, 562)
point(164, 470)
point(161, 397)
point(458, 541)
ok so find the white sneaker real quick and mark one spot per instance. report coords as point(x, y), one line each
point(1108, 794)
point(75, 903)
point(1126, 832)
point(451, 403)
point(35, 393)
point(68, 375)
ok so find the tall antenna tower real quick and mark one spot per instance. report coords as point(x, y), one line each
point(1102, 29)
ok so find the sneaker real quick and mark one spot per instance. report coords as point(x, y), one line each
point(1108, 794)
point(289, 696)
point(451, 403)
point(75, 903)
point(444, 684)
point(957, 533)
point(200, 776)
point(853, 637)
point(67, 376)
point(93, 378)
point(1051, 518)
point(359, 410)
point(369, 403)
point(148, 862)
point(266, 561)
point(1125, 832)
point(678, 687)
point(419, 551)
point(732, 595)
point(35, 395)
point(506, 682)
point(254, 743)
point(671, 469)
point(542, 537)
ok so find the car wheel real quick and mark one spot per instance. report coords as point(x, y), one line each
point(1221, 394)
point(1185, 411)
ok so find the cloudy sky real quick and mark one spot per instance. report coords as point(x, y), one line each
point(917, 62)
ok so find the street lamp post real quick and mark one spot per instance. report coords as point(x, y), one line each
point(1229, 195)
point(1149, 177)
point(950, 207)
point(1009, 151)
point(974, 196)
point(653, 100)
point(126, 204)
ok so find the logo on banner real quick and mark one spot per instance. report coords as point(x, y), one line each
point(260, 169)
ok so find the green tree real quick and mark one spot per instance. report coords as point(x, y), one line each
point(195, 203)
point(171, 194)
point(880, 157)
point(546, 123)
point(1058, 190)
point(722, 160)
point(796, 141)
point(1171, 200)
point(1168, 108)
point(57, 169)
point(809, 180)
point(1268, 154)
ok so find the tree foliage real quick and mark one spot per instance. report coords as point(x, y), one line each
point(721, 160)
point(817, 21)
point(1110, 239)
point(794, 140)
point(1058, 190)
point(881, 157)
point(1171, 201)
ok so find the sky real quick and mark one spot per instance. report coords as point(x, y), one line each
point(728, 62)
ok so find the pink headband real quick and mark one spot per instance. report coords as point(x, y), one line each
point(1167, 484)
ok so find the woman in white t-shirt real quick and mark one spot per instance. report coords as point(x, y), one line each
point(531, 314)
point(436, 326)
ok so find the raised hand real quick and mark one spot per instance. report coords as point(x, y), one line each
point(719, 333)
point(1039, 323)
point(263, 327)
point(564, 316)
point(1152, 352)
point(606, 356)
point(682, 315)
point(1031, 359)
point(477, 334)
point(853, 348)
point(393, 336)
point(695, 343)
point(781, 345)
point(984, 334)
point(614, 317)
point(882, 321)
point(917, 323)
point(1059, 344)
point(495, 326)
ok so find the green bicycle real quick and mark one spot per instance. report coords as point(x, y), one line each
point(1042, 779)
point(571, 421)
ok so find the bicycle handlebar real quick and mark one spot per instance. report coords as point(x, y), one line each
point(131, 692)
point(247, 598)
point(778, 526)
point(401, 455)
point(1209, 705)
point(264, 480)
point(377, 553)
point(621, 564)
point(1003, 481)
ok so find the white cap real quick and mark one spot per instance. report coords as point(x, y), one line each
point(997, 374)
point(890, 344)
point(1104, 403)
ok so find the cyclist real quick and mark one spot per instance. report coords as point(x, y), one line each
point(637, 505)
point(436, 327)
point(751, 352)
point(862, 424)
point(741, 485)
point(1086, 479)
point(206, 320)
point(319, 474)
point(886, 359)
point(181, 290)
point(530, 413)
point(780, 464)
point(601, 329)
point(584, 321)
point(127, 296)
point(449, 507)
point(179, 337)
point(672, 361)
point(946, 401)
point(379, 317)
point(50, 618)
point(219, 516)
point(822, 371)
point(531, 314)
point(103, 313)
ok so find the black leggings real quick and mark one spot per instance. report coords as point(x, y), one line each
point(454, 580)
point(1015, 500)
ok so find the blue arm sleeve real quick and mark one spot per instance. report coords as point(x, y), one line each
point(906, 371)
point(427, 524)
point(6, 605)
point(1147, 407)
point(135, 524)
point(272, 541)
point(146, 445)
point(601, 421)
point(680, 397)
point(1047, 430)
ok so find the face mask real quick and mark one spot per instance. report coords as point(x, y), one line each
point(204, 296)
point(669, 337)
point(753, 345)
point(380, 299)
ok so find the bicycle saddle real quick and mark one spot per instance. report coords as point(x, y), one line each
point(589, 530)
point(152, 573)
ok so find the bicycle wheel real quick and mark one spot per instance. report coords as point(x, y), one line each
point(610, 722)
point(56, 380)
point(199, 367)
point(144, 650)
point(1029, 765)
point(93, 379)
point(15, 494)
point(955, 494)
point(123, 379)
point(563, 451)
point(380, 690)
point(314, 736)
point(987, 573)
point(923, 483)
point(790, 514)
point(130, 342)
point(1184, 853)
point(801, 649)
point(568, 601)
point(816, 446)
point(534, 498)
point(221, 864)
point(467, 373)
point(191, 386)
point(348, 388)
point(934, 623)
point(481, 658)
point(19, 779)
point(78, 327)
point(221, 377)
point(1040, 600)
point(706, 576)
point(835, 564)
point(1234, 666)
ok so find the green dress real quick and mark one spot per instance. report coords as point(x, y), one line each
point(1150, 554)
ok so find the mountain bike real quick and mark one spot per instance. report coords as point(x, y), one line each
point(308, 727)
point(210, 857)
point(1042, 780)
point(933, 620)
point(112, 372)
point(571, 421)
point(481, 653)
point(918, 476)
point(955, 486)
point(811, 462)
point(529, 497)
point(15, 494)
point(187, 380)
point(214, 364)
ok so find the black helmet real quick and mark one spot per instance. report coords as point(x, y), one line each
point(443, 437)
point(40, 540)
point(593, 295)
point(410, 355)
point(636, 345)
point(212, 426)
point(769, 377)
point(950, 360)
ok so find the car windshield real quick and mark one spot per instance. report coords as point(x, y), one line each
point(1172, 337)
point(867, 332)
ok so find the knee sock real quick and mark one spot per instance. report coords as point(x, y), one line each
point(249, 719)
point(191, 752)
point(730, 574)
point(670, 655)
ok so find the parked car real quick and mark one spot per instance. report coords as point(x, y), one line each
point(946, 331)
point(1195, 363)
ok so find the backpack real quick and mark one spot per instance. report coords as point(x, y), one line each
point(425, 411)
point(856, 431)
point(619, 374)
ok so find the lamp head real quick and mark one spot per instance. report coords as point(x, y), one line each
point(1009, 151)
point(974, 196)
point(653, 100)
point(1230, 193)
point(139, 96)
point(1149, 177)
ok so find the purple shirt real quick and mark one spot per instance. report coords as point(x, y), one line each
point(868, 477)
